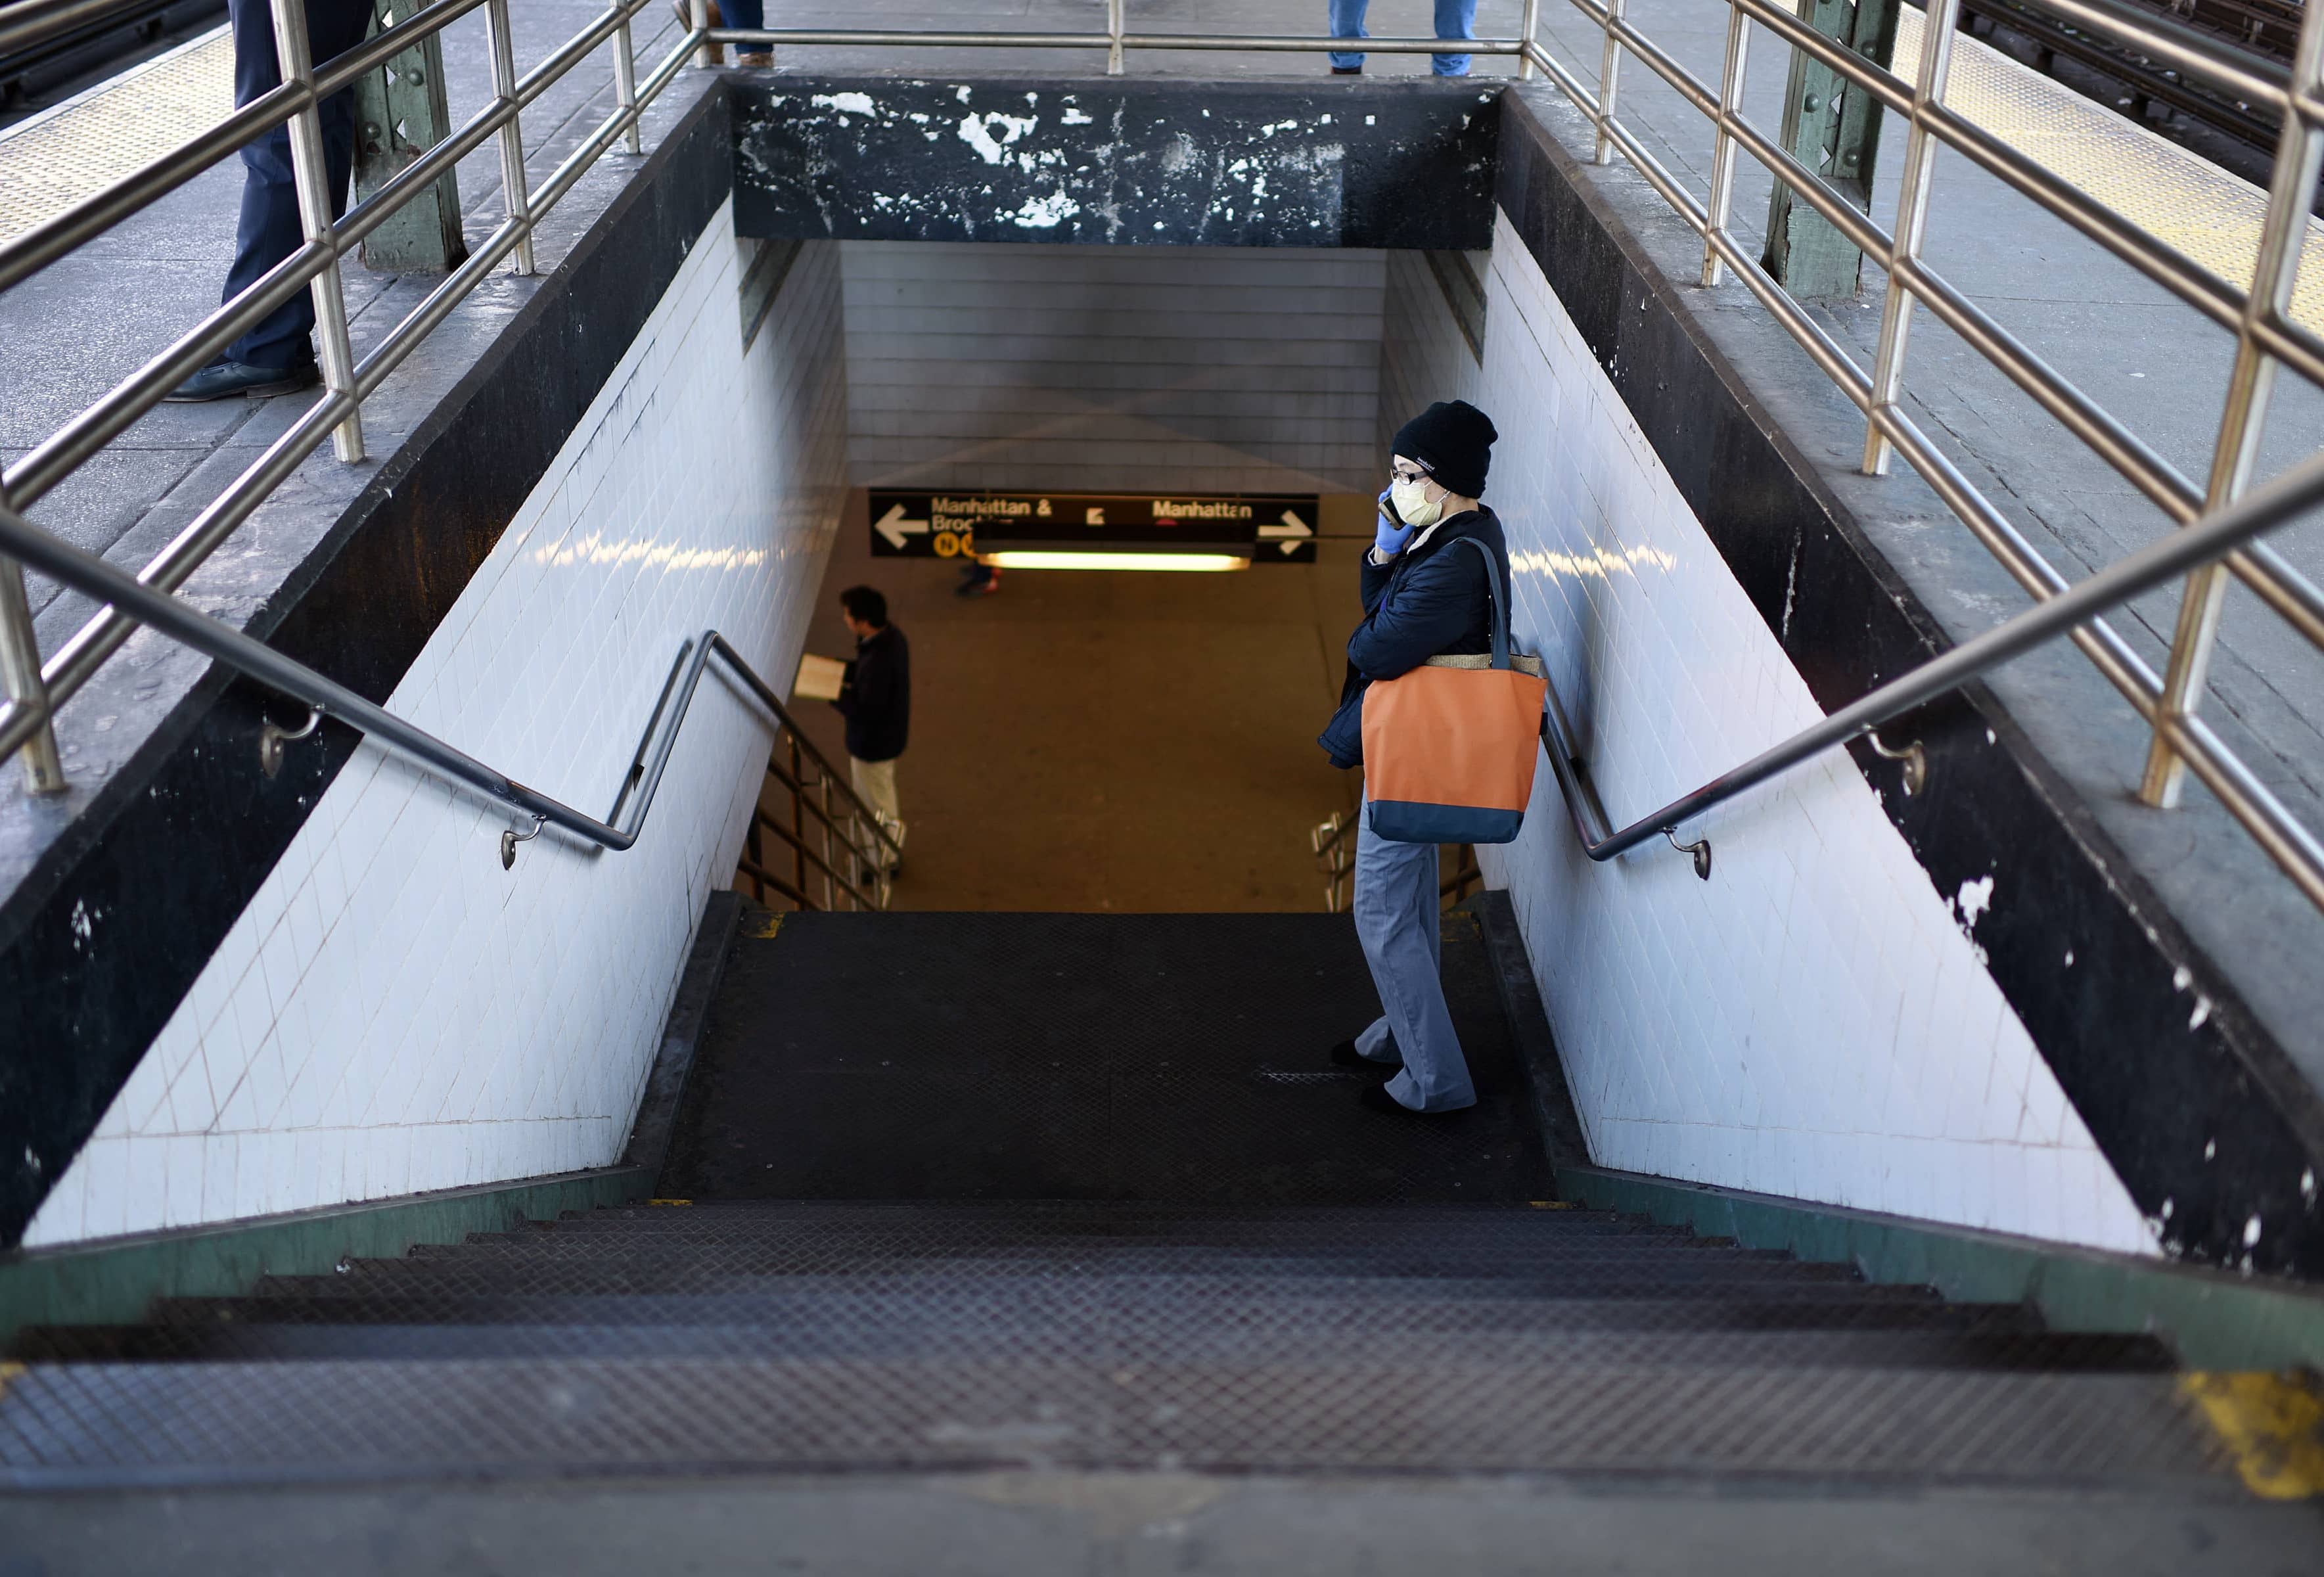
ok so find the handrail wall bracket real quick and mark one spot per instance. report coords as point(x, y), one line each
point(272, 736)
point(1914, 759)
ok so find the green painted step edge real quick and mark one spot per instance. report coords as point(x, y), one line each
point(2216, 1319)
point(111, 1281)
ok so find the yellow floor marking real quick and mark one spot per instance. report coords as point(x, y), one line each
point(2273, 1424)
point(55, 160)
point(669, 1202)
point(2211, 216)
point(9, 1374)
point(1551, 1204)
point(764, 931)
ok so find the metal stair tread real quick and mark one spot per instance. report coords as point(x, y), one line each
point(446, 1416)
point(1417, 1340)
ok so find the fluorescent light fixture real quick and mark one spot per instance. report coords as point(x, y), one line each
point(1047, 558)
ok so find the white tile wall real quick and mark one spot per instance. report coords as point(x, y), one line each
point(1423, 356)
point(1813, 1020)
point(394, 1012)
point(1112, 368)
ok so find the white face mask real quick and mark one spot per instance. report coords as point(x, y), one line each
point(1413, 504)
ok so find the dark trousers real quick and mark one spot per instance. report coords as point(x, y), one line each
point(270, 229)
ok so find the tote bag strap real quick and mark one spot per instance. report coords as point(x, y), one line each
point(1500, 614)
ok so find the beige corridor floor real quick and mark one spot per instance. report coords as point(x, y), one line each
point(1092, 741)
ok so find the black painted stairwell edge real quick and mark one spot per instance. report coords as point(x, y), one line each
point(181, 839)
point(1140, 160)
point(2208, 1126)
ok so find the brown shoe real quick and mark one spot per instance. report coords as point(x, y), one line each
point(757, 60)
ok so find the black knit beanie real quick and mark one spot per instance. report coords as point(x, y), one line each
point(1453, 440)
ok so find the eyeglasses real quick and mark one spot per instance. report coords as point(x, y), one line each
point(1406, 474)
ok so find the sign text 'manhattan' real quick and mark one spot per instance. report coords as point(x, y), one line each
point(1164, 509)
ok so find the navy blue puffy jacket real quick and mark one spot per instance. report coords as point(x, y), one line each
point(1427, 602)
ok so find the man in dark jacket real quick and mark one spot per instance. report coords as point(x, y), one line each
point(1421, 600)
point(876, 698)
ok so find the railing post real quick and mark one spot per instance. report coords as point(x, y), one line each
point(625, 81)
point(798, 819)
point(513, 179)
point(2299, 152)
point(823, 802)
point(1528, 24)
point(1938, 25)
point(20, 675)
point(707, 54)
point(1113, 31)
point(310, 173)
point(1609, 83)
point(1722, 158)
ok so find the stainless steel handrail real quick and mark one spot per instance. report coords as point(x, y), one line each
point(2276, 504)
point(861, 38)
point(86, 573)
point(2267, 336)
point(33, 700)
point(2259, 317)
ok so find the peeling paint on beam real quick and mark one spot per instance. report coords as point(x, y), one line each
point(1117, 161)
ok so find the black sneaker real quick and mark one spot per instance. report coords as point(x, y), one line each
point(1376, 1098)
point(223, 380)
point(1346, 1056)
point(1347, 71)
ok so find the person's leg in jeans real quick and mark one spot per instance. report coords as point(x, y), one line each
point(1348, 21)
point(874, 783)
point(1454, 19)
point(270, 228)
point(747, 14)
point(1395, 908)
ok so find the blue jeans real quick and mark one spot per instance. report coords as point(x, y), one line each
point(1454, 19)
point(1396, 907)
point(270, 229)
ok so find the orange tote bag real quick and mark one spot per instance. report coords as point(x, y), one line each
point(1450, 747)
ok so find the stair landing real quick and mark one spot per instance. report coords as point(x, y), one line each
point(1179, 1057)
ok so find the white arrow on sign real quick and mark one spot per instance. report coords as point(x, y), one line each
point(1287, 535)
point(896, 527)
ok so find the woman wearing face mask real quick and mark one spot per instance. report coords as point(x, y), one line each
point(1420, 601)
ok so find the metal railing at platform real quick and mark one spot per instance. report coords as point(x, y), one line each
point(2220, 526)
point(843, 860)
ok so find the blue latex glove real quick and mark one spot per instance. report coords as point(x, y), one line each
point(1392, 533)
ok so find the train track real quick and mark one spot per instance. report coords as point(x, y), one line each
point(28, 74)
point(2241, 137)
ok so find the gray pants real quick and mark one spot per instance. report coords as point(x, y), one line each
point(1396, 907)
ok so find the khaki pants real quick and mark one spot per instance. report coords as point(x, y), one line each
point(874, 783)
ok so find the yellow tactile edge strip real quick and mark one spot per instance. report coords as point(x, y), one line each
point(2211, 216)
point(2272, 1425)
point(85, 145)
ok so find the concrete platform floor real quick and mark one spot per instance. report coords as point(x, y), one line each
point(1092, 741)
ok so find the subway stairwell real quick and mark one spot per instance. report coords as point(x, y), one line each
point(1060, 1192)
